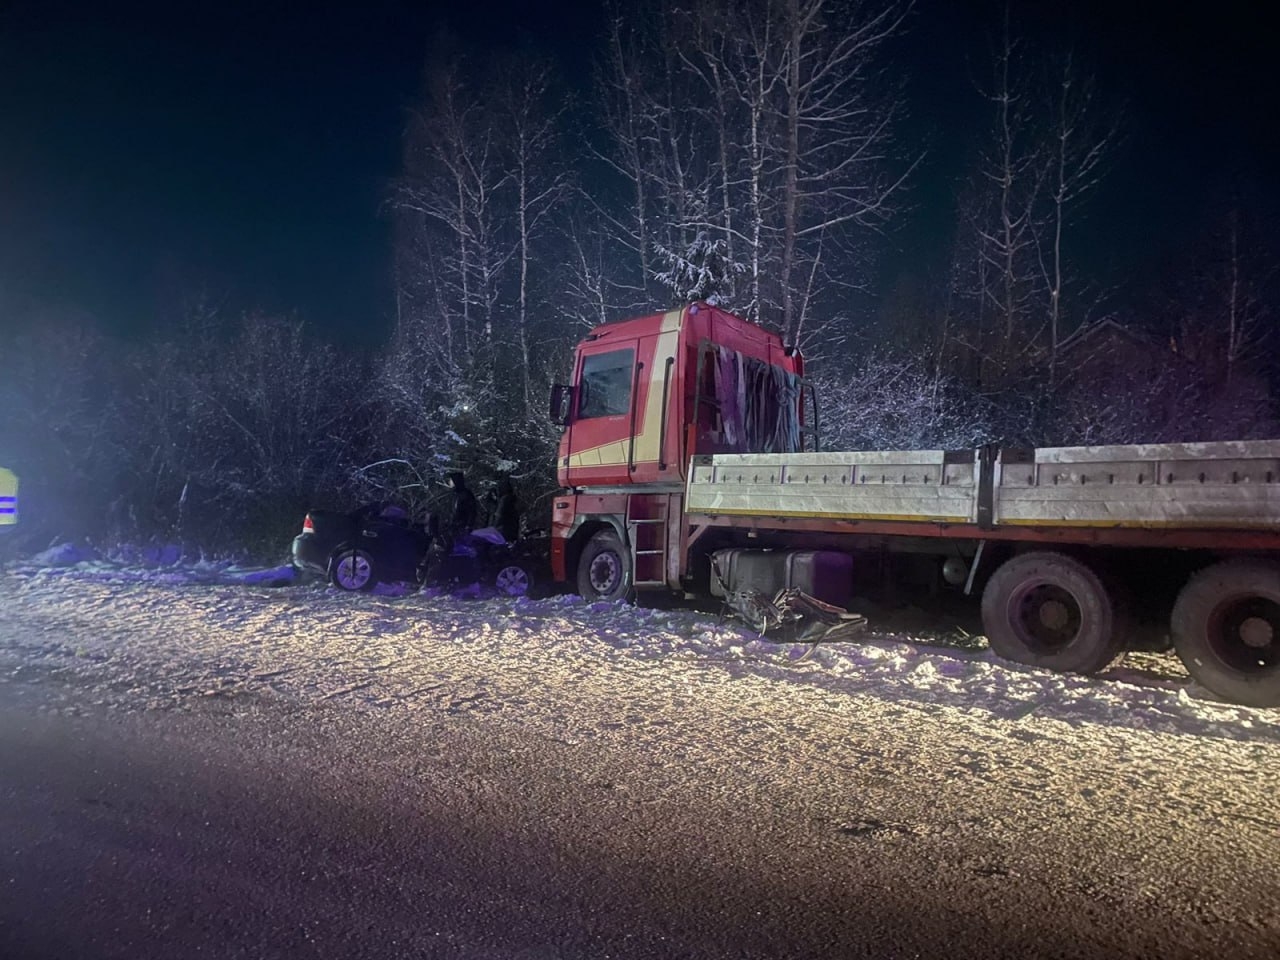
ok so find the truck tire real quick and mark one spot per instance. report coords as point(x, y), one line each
point(604, 569)
point(1226, 630)
point(1050, 610)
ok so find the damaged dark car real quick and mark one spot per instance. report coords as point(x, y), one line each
point(381, 543)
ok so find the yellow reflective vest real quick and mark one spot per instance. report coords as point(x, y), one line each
point(8, 497)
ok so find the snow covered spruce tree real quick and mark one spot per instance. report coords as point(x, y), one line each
point(701, 271)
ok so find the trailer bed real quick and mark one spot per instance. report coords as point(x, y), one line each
point(1227, 486)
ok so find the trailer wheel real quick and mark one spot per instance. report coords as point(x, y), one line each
point(604, 569)
point(1226, 629)
point(1050, 610)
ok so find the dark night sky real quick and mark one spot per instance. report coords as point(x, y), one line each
point(147, 151)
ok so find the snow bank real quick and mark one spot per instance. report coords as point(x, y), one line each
point(158, 563)
point(200, 624)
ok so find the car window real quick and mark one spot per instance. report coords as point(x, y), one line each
point(605, 386)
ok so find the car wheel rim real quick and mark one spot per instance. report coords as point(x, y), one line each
point(1244, 633)
point(353, 571)
point(605, 572)
point(513, 581)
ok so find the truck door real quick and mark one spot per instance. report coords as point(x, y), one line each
point(601, 424)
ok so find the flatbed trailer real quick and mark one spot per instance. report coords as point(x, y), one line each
point(691, 437)
point(1175, 495)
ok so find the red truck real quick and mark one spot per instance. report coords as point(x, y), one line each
point(690, 463)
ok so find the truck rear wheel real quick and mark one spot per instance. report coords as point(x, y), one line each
point(604, 570)
point(1226, 629)
point(1050, 610)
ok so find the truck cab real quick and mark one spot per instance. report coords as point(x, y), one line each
point(648, 395)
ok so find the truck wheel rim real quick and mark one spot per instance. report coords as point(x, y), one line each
point(513, 581)
point(1244, 633)
point(605, 572)
point(1046, 617)
point(353, 571)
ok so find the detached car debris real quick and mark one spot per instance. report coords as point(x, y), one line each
point(793, 615)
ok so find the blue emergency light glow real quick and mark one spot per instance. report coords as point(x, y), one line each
point(9, 498)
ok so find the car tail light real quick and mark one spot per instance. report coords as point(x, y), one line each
point(307, 525)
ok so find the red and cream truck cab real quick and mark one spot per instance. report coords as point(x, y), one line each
point(648, 395)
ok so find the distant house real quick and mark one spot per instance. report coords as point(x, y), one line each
point(1110, 352)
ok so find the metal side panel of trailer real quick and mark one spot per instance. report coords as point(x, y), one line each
point(910, 485)
point(1175, 485)
point(1202, 486)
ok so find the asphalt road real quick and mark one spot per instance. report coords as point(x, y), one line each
point(260, 827)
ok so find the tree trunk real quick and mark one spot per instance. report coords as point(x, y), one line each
point(790, 187)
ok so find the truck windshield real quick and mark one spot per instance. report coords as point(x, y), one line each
point(746, 405)
point(605, 386)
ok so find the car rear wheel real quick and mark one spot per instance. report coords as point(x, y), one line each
point(513, 580)
point(352, 569)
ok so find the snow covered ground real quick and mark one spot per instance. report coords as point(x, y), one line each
point(146, 628)
point(635, 777)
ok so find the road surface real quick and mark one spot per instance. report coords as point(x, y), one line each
point(587, 807)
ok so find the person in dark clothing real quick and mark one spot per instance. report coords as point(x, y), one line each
point(463, 520)
point(506, 515)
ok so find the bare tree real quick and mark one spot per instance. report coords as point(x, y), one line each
point(532, 138)
point(798, 123)
point(707, 58)
point(588, 274)
point(1080, 146)
point(1220, 294)
point(1015, 167)
point(737, 46)
point(837, 127)
point(628, 113)
point(1245, 311)
point(1045, 150)
point(449, 194)
point(480, 240)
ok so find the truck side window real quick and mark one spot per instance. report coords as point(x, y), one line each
point(605, 387)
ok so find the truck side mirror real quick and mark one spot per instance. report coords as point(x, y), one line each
point(561, 403)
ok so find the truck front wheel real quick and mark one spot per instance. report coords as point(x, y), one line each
point(1226, 629)
point(1050, 610)
point(604, 570)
